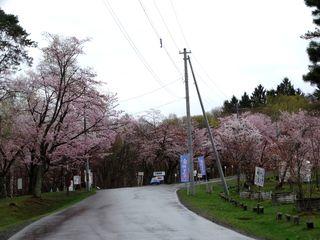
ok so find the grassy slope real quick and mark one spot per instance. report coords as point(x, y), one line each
point(262, 226)
point(18, 212)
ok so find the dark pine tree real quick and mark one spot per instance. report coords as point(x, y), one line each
point(271, 93)
point(258, 97)
point(313, 76)
point(230, 106)
point(14, 42)
point(286, 88)
point(245, 101)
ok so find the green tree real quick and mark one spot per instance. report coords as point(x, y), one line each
point(271, 93)
point(286, 88)
point(258, 97)
point(245, 101)
point(230, 106)
point(313, 76)
point(284, 103)
point(14, 42)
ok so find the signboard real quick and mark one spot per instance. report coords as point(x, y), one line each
point(184, 168)
point(140, 173)
point(202, 165)
point(259, 176)
point(19, 183)
point(160, 178)
point(159, 173)
point(77, 180)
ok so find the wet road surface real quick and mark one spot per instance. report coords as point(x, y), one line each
point(145, 213)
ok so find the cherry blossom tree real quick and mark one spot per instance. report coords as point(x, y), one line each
point(294, 149)
point(67, 116)
point(12, 141)
point(268, 132)
point(239, 140)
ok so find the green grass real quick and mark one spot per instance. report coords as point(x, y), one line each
point(265, 226)
point(19, 211)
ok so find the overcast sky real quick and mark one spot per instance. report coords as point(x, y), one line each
point(235, 45)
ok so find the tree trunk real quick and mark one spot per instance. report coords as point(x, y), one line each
point(38, 181)
point(3, 188)
point(317, 177)
point(11, 182)
point(238, 179)
point(32, 179)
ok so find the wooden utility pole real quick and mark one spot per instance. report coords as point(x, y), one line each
point(88, 187)
point(190, 151)
point(223, 180)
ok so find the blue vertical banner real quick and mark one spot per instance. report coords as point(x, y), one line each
point(202, 165)
point(184, 168)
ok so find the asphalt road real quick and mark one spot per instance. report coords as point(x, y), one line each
point(145, 213)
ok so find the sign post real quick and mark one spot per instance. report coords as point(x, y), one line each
point(259, 179)
point(259, 176)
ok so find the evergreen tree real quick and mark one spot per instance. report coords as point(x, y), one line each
point(230, 106)
point(286, 88)
point(258, 97)
point(13, 43)
point(271, 93)
point(227, 107)
point(313, 76)
point(245, 101)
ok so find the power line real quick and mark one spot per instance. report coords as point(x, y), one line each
point(133, 46)
point(147, 93)
point(179, 24)
point(165, 24)
point(186, 41)
point(159, 106)
point(158, 36)
point(208, 76)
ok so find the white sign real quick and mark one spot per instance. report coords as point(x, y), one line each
point(160, 178)
point(19, 183)
point(71, 186)
point(160, 173)
point(77, 180)
point(140, 173)
point(259, 176)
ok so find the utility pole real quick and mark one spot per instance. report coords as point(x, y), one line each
point(190, 152)
point(223, 180)
point(87, 160)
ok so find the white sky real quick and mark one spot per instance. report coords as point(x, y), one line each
point(239, 44)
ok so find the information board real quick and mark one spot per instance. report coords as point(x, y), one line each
point(259, 176)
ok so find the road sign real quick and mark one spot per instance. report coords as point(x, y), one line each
point(159, 173)
point(259, 176)
point(140, 173)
